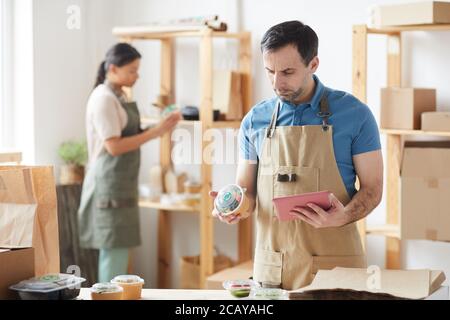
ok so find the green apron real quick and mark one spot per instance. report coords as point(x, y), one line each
point(108, 216)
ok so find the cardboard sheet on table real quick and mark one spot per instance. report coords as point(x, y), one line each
point(406, 284)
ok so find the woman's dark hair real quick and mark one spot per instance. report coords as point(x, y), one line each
point(119, 55)
point(294, 33)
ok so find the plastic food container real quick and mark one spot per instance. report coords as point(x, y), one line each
point(131, 284)
point(106, 291)
point(169, 109)
point(231, 199)
point(269, 294)
point(240, 288)
point(58, 286)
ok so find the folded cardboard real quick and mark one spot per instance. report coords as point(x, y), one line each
point(28, 214)
point(401, 108)
point(414, 13)
point(227, 96)
point(354, 283)
point(436, 121)
point(425, 190)
point(238, 272)
point(15, 265)
point(440, 294)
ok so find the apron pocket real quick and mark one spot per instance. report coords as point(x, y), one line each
point(116, 213)
point(268, 266)
point(116, 203)
point(331, 262)
point(292, 180)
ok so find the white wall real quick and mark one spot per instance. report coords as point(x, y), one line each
point(23, 72)
point(66, 62)
point(65, 65)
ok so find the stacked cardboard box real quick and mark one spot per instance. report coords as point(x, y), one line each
point(436, 121)
point(401, 108)
point(417, 13)
point(425, 189)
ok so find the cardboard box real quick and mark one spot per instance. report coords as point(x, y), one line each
point(401, 108)
point(354, 283)
point(241, 271)
point(15, 265)
point(227, 96)
point(436, 121)
point(426, 12)
point(425, 190)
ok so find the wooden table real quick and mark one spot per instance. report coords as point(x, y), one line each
point(181, 294)
point(174, 294)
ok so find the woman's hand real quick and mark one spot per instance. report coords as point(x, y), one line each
point(168, 123)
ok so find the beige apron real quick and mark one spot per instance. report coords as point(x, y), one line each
point(295, 160)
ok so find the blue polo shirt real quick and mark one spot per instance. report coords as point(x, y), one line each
point(355, 130)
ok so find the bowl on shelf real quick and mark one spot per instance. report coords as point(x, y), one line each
point(191, 113)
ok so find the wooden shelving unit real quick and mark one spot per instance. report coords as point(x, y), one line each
point(395, 138)
point(205, 37)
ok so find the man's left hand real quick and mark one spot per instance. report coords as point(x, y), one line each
point(319, 218)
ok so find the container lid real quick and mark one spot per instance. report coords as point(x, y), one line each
point(229, 199)
point(48, 283)
point(269, 294)
point(127, 278)
point(240, 284)
point(106, 287)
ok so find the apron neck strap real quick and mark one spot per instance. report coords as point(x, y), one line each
point(324, 112)
point(273, 121)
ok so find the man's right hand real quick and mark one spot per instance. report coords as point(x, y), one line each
point(230, 219)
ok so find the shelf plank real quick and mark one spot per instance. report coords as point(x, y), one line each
point(159, 33)
point(387, 230)
point(404, 132)
point(215, 124)
point(143, 203)
point(226, 124)
point(397, 29)
point(10, 157)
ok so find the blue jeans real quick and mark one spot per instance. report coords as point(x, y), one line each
point(111, 263)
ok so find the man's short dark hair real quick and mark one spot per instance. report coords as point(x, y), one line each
point(292, 33)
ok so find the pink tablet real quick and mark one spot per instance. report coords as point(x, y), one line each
point(284, 205)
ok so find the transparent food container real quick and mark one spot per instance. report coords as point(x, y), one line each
point(106, 291)
point(58, 286)
point(240, 288)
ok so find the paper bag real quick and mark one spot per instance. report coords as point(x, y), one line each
point(28, 214)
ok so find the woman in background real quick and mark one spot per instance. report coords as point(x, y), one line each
point(109, 214)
